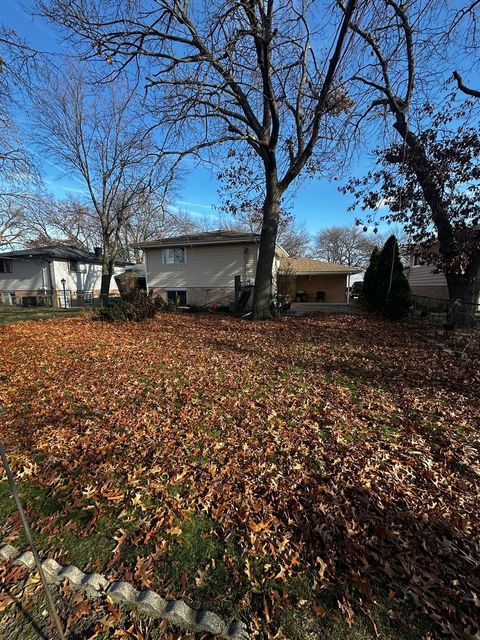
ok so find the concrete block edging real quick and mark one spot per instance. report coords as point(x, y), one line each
point(146, 602)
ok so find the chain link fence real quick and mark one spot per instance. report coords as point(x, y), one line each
point(445, 315)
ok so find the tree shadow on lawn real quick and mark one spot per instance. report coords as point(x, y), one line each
point(392, 359)
point(418, 560)
point(24, 621)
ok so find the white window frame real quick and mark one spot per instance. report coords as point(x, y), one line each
point(81, 266)
point(166, 251)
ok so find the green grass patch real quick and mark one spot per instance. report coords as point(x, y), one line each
point(39, 503)
point(82, 551)
point(32, 496)
point(199, 558)
point(11, 315)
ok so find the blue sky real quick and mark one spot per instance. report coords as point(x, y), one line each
point(317, 202)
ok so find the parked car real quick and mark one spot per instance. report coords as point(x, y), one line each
point(356, 290)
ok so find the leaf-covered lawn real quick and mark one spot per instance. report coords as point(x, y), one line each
point(316, 476)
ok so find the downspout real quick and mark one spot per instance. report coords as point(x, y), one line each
point(52, 280)
point(146, 267)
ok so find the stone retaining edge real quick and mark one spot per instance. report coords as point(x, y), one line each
point(146, 602)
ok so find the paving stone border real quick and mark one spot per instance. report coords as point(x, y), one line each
point(146, 602)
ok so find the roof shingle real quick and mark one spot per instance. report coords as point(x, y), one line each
point(306, 266)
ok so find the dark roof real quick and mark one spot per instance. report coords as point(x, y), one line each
point(58, 252)
point(207, 237)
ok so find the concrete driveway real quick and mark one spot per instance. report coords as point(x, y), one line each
point(306, 308)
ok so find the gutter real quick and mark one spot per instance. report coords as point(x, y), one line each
point(157, 245)
point(325, 273)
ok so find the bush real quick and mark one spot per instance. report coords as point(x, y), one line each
point(136, 305)
point(370, 292)
point(386, 288)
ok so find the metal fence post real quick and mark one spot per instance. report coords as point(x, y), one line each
point(28, 532)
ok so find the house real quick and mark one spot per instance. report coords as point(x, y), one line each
point(203, 269)
point(308, 280)
point(57, 275)
point(426, 280)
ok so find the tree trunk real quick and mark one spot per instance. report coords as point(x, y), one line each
point(266, 254)
point(107, 273)
point(462, 287)
point(463, 294)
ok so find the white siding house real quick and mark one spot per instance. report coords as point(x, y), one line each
point(34, 276)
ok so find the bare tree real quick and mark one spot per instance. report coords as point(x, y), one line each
point(347, 245)
point(18, 175)
point(259, 75)
point(353, 246)
point(155, 219)
point(68, 221)
point(467, 17)
point(96, 133)
point(12, 224)
point(15, 62)
point(295, 238)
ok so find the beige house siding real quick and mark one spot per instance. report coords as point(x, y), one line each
point(203, 296)
point(334, 286)
point(423, 275)
point(424, 282)
point(429, 291)
point(206, 267)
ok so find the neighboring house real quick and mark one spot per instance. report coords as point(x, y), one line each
point(425, 279)
point(200, 269)
point(314, 280)
point(58, 274)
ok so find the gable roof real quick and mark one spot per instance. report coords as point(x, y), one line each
point(57, 252)
point(307, 266)
point(219, 236)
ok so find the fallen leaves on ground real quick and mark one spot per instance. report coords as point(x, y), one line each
point(335, 457)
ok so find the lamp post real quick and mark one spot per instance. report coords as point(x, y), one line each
point(63, 281)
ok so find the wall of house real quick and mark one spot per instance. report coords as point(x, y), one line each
point(334, 286)
point(28, 278)
point(26, 274)
point(90, 280)
point(207, 267)
point(424, 282)
point(202, 296)
point(34, 277)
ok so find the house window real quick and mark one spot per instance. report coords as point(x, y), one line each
point(174, 255)
point(6, 266)
point(75, 266)
point(8, 297)
point(177, 296)
point(417, 260)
